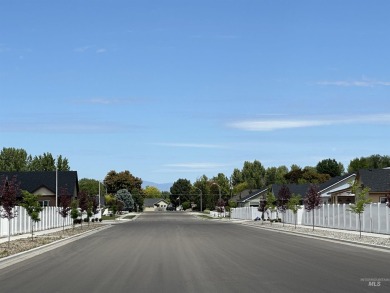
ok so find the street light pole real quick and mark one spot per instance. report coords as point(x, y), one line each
point(219, 189)
point(201, 206)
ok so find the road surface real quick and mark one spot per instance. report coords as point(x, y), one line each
point(177, 252)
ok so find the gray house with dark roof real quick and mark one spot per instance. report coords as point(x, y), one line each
point(378, 180)
point(45, 184)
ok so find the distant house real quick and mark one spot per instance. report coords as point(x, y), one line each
point(250, 198)
point(155, 204)
point(45, 184)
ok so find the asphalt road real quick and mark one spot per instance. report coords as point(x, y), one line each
point(176, 252)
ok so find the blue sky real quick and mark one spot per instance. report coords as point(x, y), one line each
point(177, 89)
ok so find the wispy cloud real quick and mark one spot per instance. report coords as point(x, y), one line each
point(106, 101)
point(276, 124)
point(193, 167)
point(101, 50)
point(82, 49)
point(190, 145)
point(355, 83)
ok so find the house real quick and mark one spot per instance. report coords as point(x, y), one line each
point(250, 198)
point(327, 189)
point(45, 184)
point(378, 180)
point(155, 204)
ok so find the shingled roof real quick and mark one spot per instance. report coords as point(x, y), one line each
point(378, 180)
point(32, 181)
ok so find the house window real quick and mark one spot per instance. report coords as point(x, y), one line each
point(44, 203)
point(383, 199)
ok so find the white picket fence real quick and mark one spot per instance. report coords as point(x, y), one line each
point(375, 218)
point(50, 218)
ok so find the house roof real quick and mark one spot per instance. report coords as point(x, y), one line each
point(334, 180)
point(253, 194)
point(150, 202)
point(378, 180)
point(32, 181)
point(244, 194)
point(294, 188)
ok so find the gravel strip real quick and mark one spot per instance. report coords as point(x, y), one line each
point(24, 244)
point(383, 241)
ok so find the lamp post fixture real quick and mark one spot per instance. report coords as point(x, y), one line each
point(219, 189)
point(201, 206)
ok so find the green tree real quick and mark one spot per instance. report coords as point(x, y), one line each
point(361, 200)
point(74, 212)
point(33, 208)
point(254, 174)
point(180, 191)
point(43, 162)
point(125, 196)
point(90, 186)
point(371, 162)
point(275, 175)
point(236, 177)
point(123, 180)
point(270, 204)
point(331, 167)
point(62, 164)
point(293, 204)
point(202, 187)
point(152, 192)
point(138, 199)
point(13, 160)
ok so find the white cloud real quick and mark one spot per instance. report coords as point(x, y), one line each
point(101, 50)
point(193, 167)
point(270, 125)
point(82, 49)
point(190, 145)
point(356, 83)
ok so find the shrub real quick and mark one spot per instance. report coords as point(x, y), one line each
point(100, 220)
point(206, 211)
point(186, 205)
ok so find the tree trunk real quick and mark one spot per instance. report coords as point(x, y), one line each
point(360, 227)
point(313, 219)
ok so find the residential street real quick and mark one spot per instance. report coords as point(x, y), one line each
point(177, 252)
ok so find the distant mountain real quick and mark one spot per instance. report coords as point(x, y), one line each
point(160, 186)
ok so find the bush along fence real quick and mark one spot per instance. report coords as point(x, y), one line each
point(375, 218)
point(50, 218)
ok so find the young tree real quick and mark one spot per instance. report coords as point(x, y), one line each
point(33, 208)
point(293, 204)
point(9, 192)
point(270, 204)
point(64, 206)
point(83, 204)
point(74, 213)
point(361, 199)
point(312, 199)
point(284, 195)
point(220, 206)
